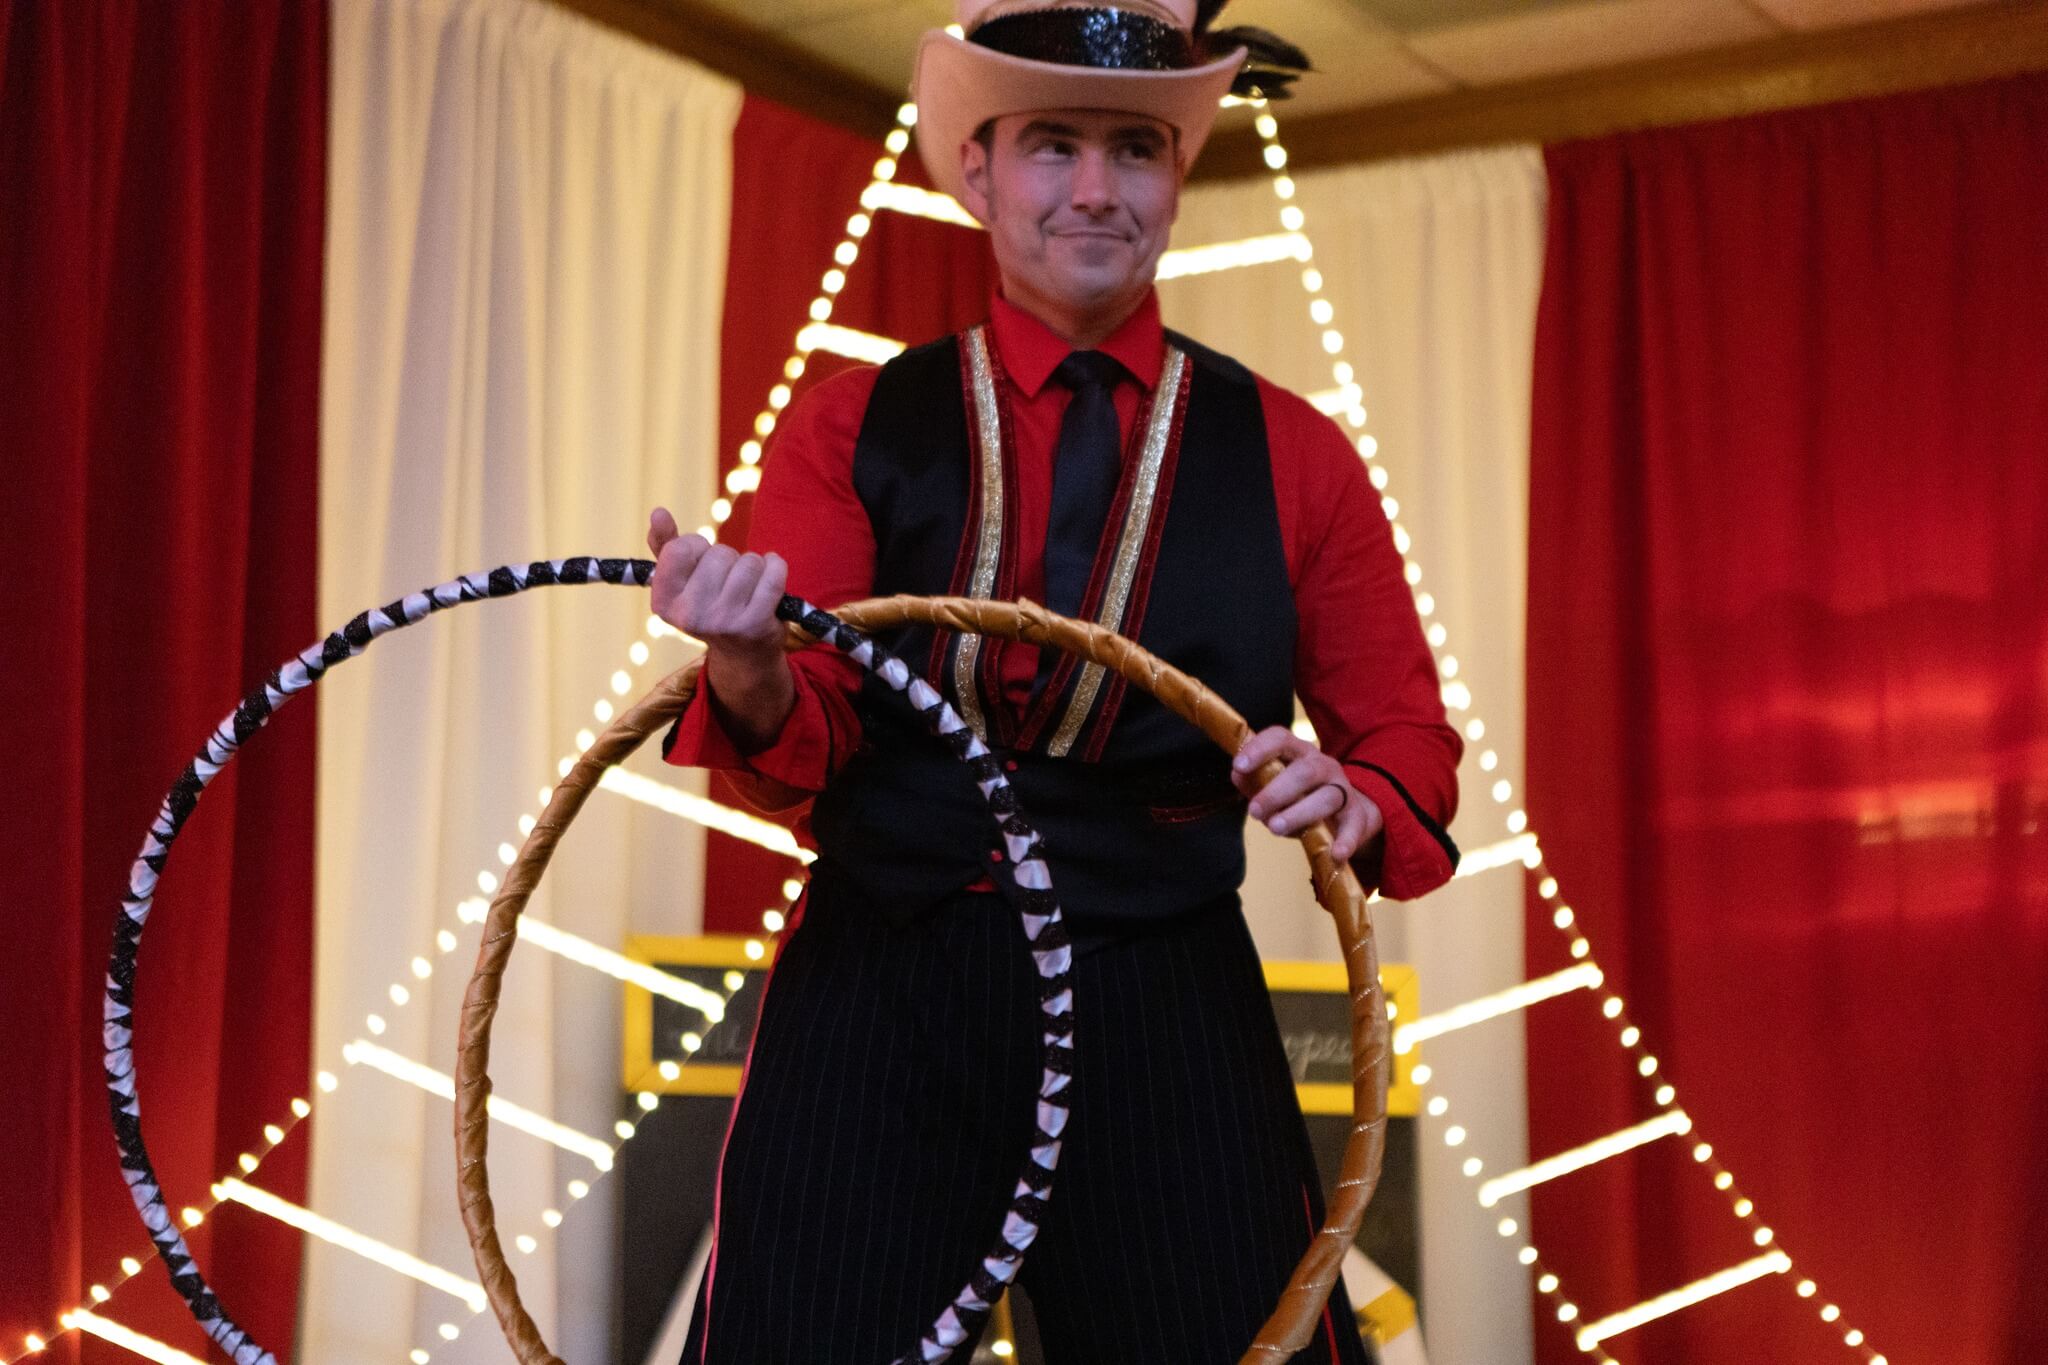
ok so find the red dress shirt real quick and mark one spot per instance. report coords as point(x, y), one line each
point(1361, 668)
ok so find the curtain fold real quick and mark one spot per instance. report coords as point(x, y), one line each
point(1788, 699)
point(1432, 267)
point(525, 275)
point(161, 198)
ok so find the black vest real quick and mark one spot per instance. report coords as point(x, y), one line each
point(1136, 806)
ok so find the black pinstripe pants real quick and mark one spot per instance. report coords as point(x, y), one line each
point(888, 1102)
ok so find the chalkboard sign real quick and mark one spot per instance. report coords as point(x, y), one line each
point(1312, 1002)
point(703, 1057)
point(671, 1047)
point(668, 1171)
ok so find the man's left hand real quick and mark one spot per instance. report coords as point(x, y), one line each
point(1312, 786)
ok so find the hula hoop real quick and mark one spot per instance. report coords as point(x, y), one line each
point(118, 1031)
point(1296, 1317)
point(1293, 1321)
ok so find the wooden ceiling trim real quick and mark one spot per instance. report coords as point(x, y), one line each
point(762, 62)
point(1949, 48)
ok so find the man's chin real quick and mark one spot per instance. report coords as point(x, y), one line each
point(1111, 274)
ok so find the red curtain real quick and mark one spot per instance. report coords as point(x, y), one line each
point(1788, 719)
point(796, 182)
point(161, 193)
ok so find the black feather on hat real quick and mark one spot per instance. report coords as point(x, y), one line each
point(1273, 63)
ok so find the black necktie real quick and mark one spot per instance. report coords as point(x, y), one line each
point(1087, 465)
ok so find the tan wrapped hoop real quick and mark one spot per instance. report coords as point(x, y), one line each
point(1294, 1320)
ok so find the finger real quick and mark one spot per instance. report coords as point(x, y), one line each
point(1271, 742)
point(1319, 803)
point(1303, 774)
point(706, 581)
point(661, 529)
point(674, 564)
point(681, 554)
point(768, 592)
point(1260, 754)
point(738, 591)
point(1357, 826)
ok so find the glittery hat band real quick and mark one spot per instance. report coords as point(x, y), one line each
point(1110, 39)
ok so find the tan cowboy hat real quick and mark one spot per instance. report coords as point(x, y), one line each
point(1150, 57)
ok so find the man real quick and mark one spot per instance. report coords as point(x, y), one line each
point(1073, 452)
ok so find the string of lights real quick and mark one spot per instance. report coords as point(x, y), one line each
point(362, 1052)
point(1458, 698)
point(1345, 399)
point(82, 1318)
point(646, 1102)
point(742, 478)
point(745, 477)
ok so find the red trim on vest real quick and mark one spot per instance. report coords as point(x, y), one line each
point(1053, 700)
point(995, 709)
point(937, 671)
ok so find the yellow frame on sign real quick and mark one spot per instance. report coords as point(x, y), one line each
point(641, 1072)
point(1401, 986)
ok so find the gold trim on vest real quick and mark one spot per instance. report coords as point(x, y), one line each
point(1116, 594)
point(989, 534)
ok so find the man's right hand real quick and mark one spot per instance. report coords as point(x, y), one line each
point(727, 600)
point(724, 598)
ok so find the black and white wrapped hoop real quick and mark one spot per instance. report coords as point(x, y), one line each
point(255, 711)
point(1045, 930)
point(1039, 911)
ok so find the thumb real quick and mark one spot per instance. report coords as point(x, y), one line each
point(661, 529)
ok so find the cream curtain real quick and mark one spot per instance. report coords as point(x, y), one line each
point(526, 258)
point(1431, 267)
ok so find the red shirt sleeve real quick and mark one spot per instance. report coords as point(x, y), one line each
point(1362, 668)
point(806, 510)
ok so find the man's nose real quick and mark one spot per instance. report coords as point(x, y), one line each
point(1094, 190)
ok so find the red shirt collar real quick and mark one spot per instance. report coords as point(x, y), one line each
point(1031, 351)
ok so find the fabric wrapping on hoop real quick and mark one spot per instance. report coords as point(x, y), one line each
point(1299, 1311)
point(255, 711)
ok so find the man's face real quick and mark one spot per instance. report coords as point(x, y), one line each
point(1078, 204)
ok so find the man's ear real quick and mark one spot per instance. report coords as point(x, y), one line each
point(974, 173)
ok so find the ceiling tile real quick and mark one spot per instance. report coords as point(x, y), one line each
point(1379, 77)
point(1373, 51)
point(1356, 61)
point(778, 15)
point(1586, 37)
point(1410, 16)
point(1813, 14)
point(773, 15)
